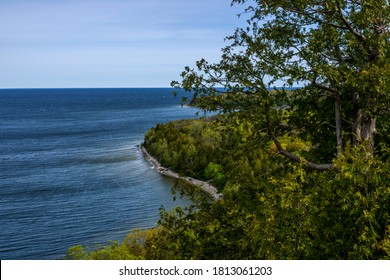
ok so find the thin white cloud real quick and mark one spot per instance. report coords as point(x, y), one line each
point(92, 37)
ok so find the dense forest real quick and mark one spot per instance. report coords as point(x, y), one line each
point(305, 173)
point(272, 207)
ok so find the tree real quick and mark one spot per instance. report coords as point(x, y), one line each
point(273, 208)
point(337, 50)
point(132, 248)
point(338, 53)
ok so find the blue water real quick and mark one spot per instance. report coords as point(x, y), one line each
point(71, 169)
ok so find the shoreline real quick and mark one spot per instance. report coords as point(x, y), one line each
point(204, 186)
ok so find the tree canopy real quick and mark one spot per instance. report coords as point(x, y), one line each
point(338, 54)
point(337, 51)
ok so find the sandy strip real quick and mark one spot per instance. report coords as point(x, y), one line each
point(206, 187)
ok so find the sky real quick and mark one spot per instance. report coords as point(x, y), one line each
point(109, 43)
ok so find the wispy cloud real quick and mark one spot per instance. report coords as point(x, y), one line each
point(54, 36)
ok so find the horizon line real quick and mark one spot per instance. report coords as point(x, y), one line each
point(135, 87)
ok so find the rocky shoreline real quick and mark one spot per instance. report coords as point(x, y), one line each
point(204, 186)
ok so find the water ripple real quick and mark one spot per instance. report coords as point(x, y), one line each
point(72, 172)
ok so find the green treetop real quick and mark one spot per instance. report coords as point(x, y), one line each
point(338, 51)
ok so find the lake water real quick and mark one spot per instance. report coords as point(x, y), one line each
point(71, 168)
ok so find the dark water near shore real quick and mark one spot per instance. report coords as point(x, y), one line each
point(71, 169)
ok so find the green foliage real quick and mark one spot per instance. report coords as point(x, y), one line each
point(210, 148)
point(76, 253)
point(199, 234)
point(186, 146)
point(272, 208)
point(213, 172)
point(340, 52)
point(275, 209)
point(132, 248)
point(385, 245)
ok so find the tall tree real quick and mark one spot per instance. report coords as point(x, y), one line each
point(337, 50)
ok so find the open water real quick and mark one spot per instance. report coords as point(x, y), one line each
point(71, 171)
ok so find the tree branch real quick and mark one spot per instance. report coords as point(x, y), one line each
point(317, 85)
point(358, 35)
point(319, 167)
point(311, 16)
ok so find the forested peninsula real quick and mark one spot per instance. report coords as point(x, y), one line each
point(204, 186)
point(305, 173)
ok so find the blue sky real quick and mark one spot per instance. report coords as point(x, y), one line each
point(103, 43)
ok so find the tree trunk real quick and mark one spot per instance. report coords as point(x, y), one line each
point(364, 129)
point(364, 126)
point(357, 121)
point(357, 127)
point(338, 124)
point(368, 130)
